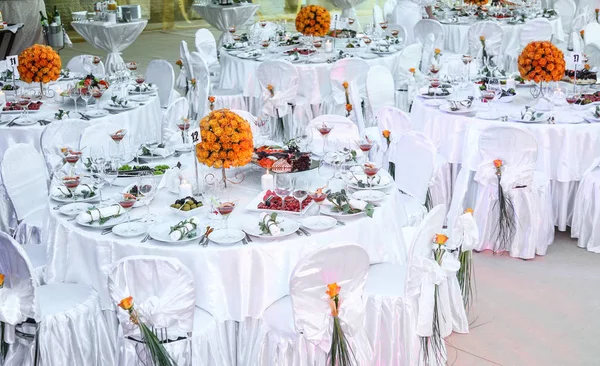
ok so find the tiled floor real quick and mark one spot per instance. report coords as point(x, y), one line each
point(544, 311)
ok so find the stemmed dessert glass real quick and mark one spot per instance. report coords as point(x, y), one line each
point(140, 80)
point(370, 169)
point(225, 207)
point(184, 126)
point(72, 158)
point(72, 182)
point(318, 195)
point(126, 201)
point(324, 130)
point(435, 84)
point(117, 137)
point(300, 192)
point(97, 94)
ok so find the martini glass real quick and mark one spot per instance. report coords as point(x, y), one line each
point(117, 137)
point(126, 201)
point(225, 207)
point(72, 182)
point(317, 193)
point(300, 192)
point(365, 145)
point(370, 169)
point(72, 158)
point(97, 94)
point(324, 130)
point(184, 126)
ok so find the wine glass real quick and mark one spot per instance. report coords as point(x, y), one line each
point(111, 171)
point(435, 84)
point(491, 63)
point(571, 96)
point(283, 186)
point(324, 130)
point(71, 182)
point(327, 168)
point(466, 59)
point(184, 126)
point(126, 201)
point(264, 128)
point(147, 189)
point(98, 177)
point(72, 158)
point(491, 92)
point(300, 192)
point(232, 29)
point(304, 140)
point(139, 79)
point(24, 100)
point(87, 63)
point(75, 93)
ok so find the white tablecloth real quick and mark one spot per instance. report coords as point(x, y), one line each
point(232, 282)
point(241, 74)
point(112, 38)
point(564, 151)
point(222, 17)
point(456, 40)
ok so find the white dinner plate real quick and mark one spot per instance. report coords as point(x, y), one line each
point(19, 112)
point(96, 225)
point(150, 90)
point(65, 199)
point(505, 99)
point(248, 56)
point(118, 108)
point(369, 195)
point(25, 121)
point(226, 236)
point(379, 181)
point(579, 107)
point(95, 113)
point(328, 210)
point(463, 110)
point(517, 118)
point(161, 232)
point(74, 209)
point(182, 147)
point(434, 102)
point(287, 226)
point(488, 115)
point(319, 223)
point(590, 117)
point(367, 55)
point(129, 230)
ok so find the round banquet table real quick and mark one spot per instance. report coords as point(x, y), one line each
point(565, 151)
point(232, 282)
point(222, 17)
point(112, 38)
point(456, 35)
point(240, 74)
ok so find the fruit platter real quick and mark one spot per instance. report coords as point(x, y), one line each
point(14, 107)
point(268, 201)
point(281, 160)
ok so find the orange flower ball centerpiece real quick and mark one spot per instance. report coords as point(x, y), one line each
point(39, 64)
point(313, 20)
point(541, 62)
point(226, 141)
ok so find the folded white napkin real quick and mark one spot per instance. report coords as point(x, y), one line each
point(158, 151)
point(274, 228)
point(60, 191)
point(171, 179)
point(357, 204)
point(96, 213)
point(185, 229)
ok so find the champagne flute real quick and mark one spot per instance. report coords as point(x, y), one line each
point(300, 192)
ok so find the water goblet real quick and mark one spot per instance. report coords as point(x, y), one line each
point(111, 171)
point(75, 93)
point(300, 192)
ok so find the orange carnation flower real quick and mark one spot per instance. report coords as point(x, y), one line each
point(333, 290)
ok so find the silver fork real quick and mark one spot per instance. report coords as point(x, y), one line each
point(145, 238)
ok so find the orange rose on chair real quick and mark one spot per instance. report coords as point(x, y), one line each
point(440, 239)
point(126, 303)
point(1, 280)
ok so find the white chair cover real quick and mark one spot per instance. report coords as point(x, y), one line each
point(592, 52)
point(401, 30)
point(250, 119)
point(388, 9)
point(198, 96)
point(586, 210)
point(174, 113)
point(415, 163)
point(395, 121)
point(410, 57)
point(261, 33)
point(566, 10)
point(377, 15)
point(343, 134)
point(493, 34)
point(344, 263)
point(348, 10)
point(380, 88)
point(160, 73)
point(59, 134)
point(25, 179)
point(592, 33)
point(579, 23)
point(430, 33)
point(407, 13)
point(76, 65)
point(72, 328)
point(354, 71)
point(400, 298)
point(206, 45)
point(517, 148)
point(284, 78)
point(538, 29)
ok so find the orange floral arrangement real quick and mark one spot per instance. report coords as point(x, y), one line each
point(39, 64)
point(226, 140)
point(479, 3)
point(541, 61)
point(313, 20)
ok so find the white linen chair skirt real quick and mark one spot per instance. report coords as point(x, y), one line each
point(73, 330)
point(586, 213)
point(230, 99)
point(408, 14)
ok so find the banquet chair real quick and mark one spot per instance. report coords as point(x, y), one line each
point(380, 89)
point(176, 111)
point(586, 210)
point(414, 161)
point(64, 133)
point(394, 120)
point(575, 42)
point(592, 34)
point(343, 134)
point(592, 51)
point(388, 8)
point(377, 15)
point(160, 73)
point(248, 117)
point(224, 98)
point(164, 294)
point(354, 72)
point(566, 11)
point(76, 65)
point(52, 324)
point(430, 33)
point(196, 96)
point(493, 34)
point(97, 136)
point(285, 103)
point(525, 190)
point(410, 57)
point(206, 45)
point(25, 178)
point(405, 13)
point(400, 300)
point(296, 329)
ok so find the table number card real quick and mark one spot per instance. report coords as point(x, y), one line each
point(12, 61)
point(195, 137)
